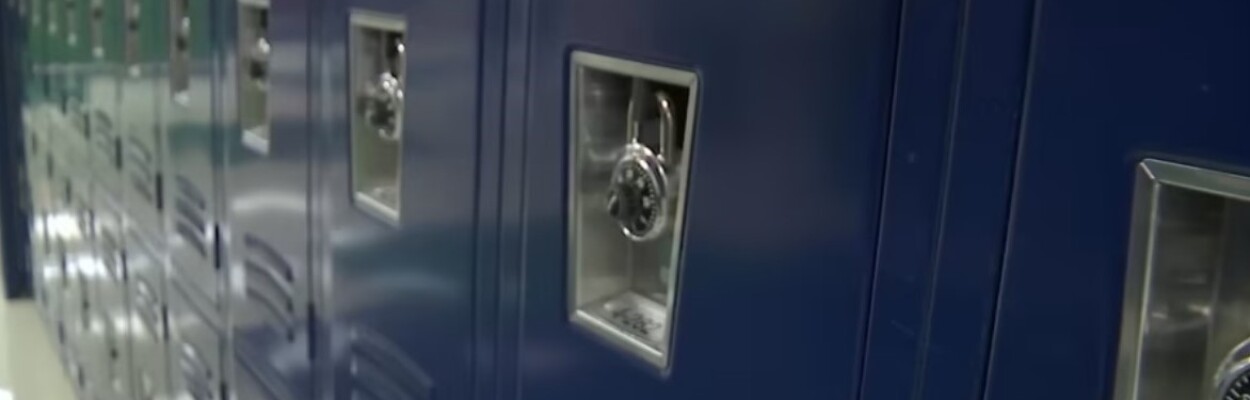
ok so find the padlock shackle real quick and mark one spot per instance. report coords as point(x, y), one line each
point(668, 123)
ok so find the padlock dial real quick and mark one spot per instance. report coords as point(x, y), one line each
point(637, 197)
point(1238, 388)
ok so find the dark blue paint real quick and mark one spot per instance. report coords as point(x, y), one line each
point(1109, 85)
point(492, 119)
point(14, 208)
point(512, 212)
point(407, 288)
point(269, 214)
point(911, 204)
point(947, 192)
point(988, 109)
point(782, 213)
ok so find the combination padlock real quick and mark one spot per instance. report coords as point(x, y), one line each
point(258, 63)
point(384, 99)
point(182, 36)
point(1232, 380)
point(383, 102)
point(638, 193)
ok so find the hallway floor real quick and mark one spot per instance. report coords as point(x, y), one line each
point(29, 369)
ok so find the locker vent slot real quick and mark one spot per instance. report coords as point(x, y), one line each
point(193, 238)
point(190, 222)
point(270, 284)
point(197, 375)
point(147, 307)
point(192, 193)
point(140, 150)
point(144, 190)
point(101, 126)
point(262, 380)
point(112, 254)
point(380, 371)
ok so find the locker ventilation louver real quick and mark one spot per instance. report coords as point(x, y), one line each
point(189, 221)
point(270, 285)
point(112, 255)
point(141, 176)
point(196, 373)
point(265, 383)
point(148, 307)
point(101, 127)
point(380, 371)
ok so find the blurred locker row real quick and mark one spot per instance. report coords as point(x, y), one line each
point(650, 199)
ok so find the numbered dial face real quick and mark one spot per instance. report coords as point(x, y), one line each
point(258, 63)
point(1236, 386)
point(637, 198)
point(381, 102)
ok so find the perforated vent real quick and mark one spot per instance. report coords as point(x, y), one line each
point(189, 220)
point(148, 308)
point(380, 371)
point(143, 177)
point(270, 285)
point(197, 374)
point(111, 257)
point(101, 127)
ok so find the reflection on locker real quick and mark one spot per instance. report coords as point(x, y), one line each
point(595, 199)
point(285, 199)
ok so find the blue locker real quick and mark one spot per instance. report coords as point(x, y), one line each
point(397, 195)
point(189, 93)
point(268, 147)
point(16, 209)
point(958, 98)
point(769, 281)
point(1135, 128)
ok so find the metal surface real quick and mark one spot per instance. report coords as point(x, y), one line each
point(1097, 105)
point(268, 215)
point(377, 68)
point(1185, 303)
point(143, 158)
point(398, 310)
point(777, 251)
point(623, 278)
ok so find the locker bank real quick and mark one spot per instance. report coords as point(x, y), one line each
point(595, 199)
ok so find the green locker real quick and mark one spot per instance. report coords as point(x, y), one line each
point(145, 45)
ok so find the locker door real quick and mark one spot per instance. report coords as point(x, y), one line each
point(268, 149)
point(102, 44)
point(44, 262)
point(189, 94)
point(143, 145)
point(143, 162)
point(149, 338)
point(112, 305)
point(745, 275)
point(398, 180)
point(106, 43)
point(1125, 262)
